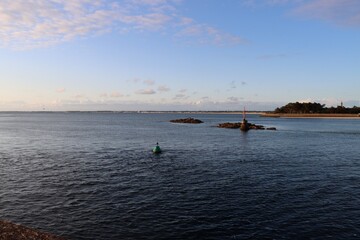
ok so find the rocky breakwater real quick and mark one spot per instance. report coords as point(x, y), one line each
point(251, 126)
point(187, 120)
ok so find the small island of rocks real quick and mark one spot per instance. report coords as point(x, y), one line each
point(238, 124)
point(187, 120)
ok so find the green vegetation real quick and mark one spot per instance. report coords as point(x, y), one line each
point(302, 108)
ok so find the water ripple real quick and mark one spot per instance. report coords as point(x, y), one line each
point(90, 180)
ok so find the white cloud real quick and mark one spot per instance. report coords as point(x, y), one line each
point(149, 82)
point(42, 23)
point(29, 24)
point(186, 21)
point(329, 102)
point(146, 91)
point(163, 88)
point(308, 100)
point(151, 21)
point(116, 95)
point(234, 99)
point(206, 34)
point(181, 96)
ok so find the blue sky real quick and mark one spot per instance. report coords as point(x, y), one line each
point(178, 54)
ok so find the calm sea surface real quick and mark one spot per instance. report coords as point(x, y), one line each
point(93, 176)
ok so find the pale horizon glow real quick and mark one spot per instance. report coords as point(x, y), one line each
point(138, 55)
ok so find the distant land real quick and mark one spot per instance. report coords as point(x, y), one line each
point(313, 110)
point(150, 111)
point(290, 110)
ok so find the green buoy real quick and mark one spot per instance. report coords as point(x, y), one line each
point(157, 148)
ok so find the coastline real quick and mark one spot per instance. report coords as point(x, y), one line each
point(311, 115)
point(143, 112)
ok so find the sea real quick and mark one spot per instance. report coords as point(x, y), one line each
point(92, 175)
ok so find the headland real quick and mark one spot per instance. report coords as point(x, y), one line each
point(311, 115)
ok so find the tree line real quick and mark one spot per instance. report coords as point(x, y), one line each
point(314, 107)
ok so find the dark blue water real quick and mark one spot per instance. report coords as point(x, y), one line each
point(93, 176)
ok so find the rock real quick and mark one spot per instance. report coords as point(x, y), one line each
point(10, 230)
point(187, 120)
point(257, 127)
point(238, 125)
point(229, 125)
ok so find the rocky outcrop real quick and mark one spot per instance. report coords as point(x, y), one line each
point(238, 125)
point(256, 127)
point(229, 125)
point(187, 120)
point(10, 230)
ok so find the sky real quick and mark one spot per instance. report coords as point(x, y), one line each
point(137, 55)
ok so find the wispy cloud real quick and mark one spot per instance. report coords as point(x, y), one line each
point(340, 12)
point(146, 91)
point(163, 88)
point(116, 95)
point(134, 80)
point(151, 21)
point(43, 23)
point(206, 34)
point(234, 99)
point(149, 82)
point(331, 102)
point(234, 84)
point(29, 24)
point(180, 96)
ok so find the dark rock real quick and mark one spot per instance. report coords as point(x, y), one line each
point(238, 125)
point(229, 125)
point(257, 127)
point(10, 230)
point(187, 120)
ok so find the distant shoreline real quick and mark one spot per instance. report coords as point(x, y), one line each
point(260, 113)
point(144, 112)
point(311, 115)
